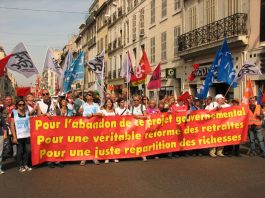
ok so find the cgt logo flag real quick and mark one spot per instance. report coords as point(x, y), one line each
point(19, 61)
point(141, 71)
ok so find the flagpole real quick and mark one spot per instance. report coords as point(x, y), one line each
point(229, 87)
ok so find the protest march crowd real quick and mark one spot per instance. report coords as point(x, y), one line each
point(15, 120)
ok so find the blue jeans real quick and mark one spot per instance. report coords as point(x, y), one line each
point(253, 133)
point(1, 150)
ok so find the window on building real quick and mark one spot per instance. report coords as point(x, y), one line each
point(110, 68)
point(141, 25)
point(232, 7)
point(192, 16)
point(210, 11)
point(152, 49)
point(262, 21)
point(106, 42)
point(124, 35)
point(130, 5)
point(121, 63)
point(177, 4)
point(135, 2)
point(98, 46)
point(153, 11)
point(101, 44)
point(176, 34)
point(164, 46)
point(134, 27)
point(135, 55)
point(115, 67)
point(164, 9)
point(143, 47)
point(128, 32)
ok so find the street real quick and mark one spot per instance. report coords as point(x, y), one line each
point(178, 177)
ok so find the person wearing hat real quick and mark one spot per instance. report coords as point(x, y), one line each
point(219, 103)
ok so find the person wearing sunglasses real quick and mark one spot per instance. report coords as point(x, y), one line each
point(48, 107)
point(20, 128)
point(88, 110)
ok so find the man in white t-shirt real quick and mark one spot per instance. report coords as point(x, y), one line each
point(219, 103)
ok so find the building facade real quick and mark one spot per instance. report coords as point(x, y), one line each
point(178, 34)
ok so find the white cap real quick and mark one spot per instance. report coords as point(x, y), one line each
point(218, 96)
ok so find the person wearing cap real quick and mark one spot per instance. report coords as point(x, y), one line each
point(219, 103)
point(255, 127)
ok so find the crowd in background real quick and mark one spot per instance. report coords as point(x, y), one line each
point(15, 116)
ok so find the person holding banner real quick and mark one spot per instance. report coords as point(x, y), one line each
point(138, 110)
point(89, 109)
point(108, 110)
point(255, 127)
point(30, 105)
point(228, 150)
point(152, 109)
point(64, 108)
point(218, 104)
point(20, 128)
point(3, 135)
point(121, 109)
point(48, 107)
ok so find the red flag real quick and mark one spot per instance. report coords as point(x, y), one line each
point(185, 97)
point(3, 63)
point(192, 76)
point(144, 68)
point(155, 81)
point(22, 91)
point(248, 92)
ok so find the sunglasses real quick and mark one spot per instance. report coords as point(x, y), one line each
point(45, 94)
point(21, 104)
point(89, 95)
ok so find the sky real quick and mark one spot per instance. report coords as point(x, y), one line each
point(39, 30)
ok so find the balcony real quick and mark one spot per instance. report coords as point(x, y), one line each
point(206, 36)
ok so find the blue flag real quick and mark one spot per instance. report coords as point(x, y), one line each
point(75, 72)
point(259, 99)
point(220, 70)
point(226, 72)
